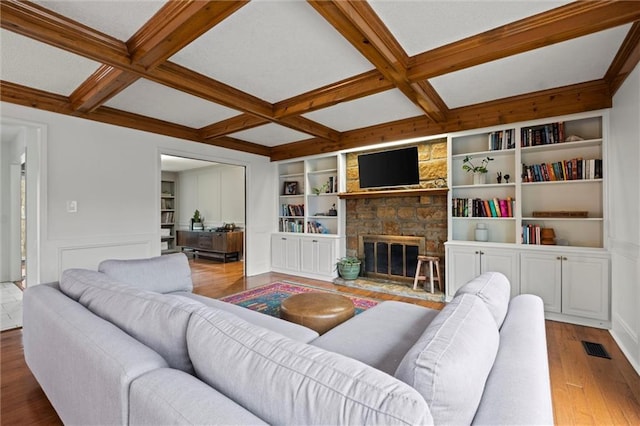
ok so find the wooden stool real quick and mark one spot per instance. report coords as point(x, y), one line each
point(430, 261)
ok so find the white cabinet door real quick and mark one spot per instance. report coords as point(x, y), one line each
point(503, 261)
point(463, 265)
point(285, 252)
point(541, 274)
point(317, 256)
point(585, 286)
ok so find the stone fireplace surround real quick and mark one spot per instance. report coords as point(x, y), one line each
point(422, 215)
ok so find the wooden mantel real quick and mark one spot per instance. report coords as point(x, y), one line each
point(394, 193)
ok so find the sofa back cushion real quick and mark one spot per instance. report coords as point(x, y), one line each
point(494, 289)
point(283, 381)
point(450, 362)
point(157, 320)
point(162, 274)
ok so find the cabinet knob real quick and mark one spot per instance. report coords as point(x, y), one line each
point(477, 252)
point(564, 258)
point(559, 258)
point(315, 241)
point(283, 238)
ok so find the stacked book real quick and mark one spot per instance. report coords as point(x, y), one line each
point(290, 225)
point(502, 139)
point(292, 210)
point(542, 135)
point(476, 207)
point(531, 234)
point(574, 169)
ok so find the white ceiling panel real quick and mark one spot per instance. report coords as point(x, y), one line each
point(117, 18)
point(169, 163)
point(420, 26)
point(151, 99)
point(575, 61)
point(38, 65)
point(274, 50)
point(271, 135)
point(375, 109)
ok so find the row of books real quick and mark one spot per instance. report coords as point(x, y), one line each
point(166, 204)
point(574, 169)
point(292, 210)
point(316, 228)
point(542, 135)
point(502, 139)
point(531, 234)
point(290, 225)
point(166, 217)
point(476, 207)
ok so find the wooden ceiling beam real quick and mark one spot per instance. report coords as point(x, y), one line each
point(173, 27)
point(547, 103)
point(358, 23)
point(311, 127)
point(36, 22)
point(232, 125)
point(560, 24)
point(365, 84)
point(34, 98)
point(176, 25)
point(625, 61)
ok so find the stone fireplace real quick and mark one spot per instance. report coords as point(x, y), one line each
point(389, 229)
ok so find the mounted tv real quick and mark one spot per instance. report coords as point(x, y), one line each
point(398, 167)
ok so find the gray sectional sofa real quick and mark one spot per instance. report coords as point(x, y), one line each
point(131, 344)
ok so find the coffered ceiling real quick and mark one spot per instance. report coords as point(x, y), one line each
point(291, 78)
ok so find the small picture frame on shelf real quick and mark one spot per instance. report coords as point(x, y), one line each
point(290, 188)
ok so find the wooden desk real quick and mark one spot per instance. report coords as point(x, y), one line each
point(221, 245)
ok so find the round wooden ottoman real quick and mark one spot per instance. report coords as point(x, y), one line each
point(318, 311)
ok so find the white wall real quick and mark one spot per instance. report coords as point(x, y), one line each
point(113, 173)
point(216, 191)
point(624, 237)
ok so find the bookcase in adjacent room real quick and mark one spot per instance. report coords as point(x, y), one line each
point(167, 214)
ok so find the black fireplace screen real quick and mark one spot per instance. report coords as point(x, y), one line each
point(391, 260)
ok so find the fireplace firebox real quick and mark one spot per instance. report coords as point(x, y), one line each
point(390, 257)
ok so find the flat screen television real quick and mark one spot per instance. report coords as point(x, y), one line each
point(398, 167)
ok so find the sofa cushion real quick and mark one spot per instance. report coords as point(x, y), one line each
point(450, 362)
point(494, 289)
point(162, 274)
point(159, 321)
point(283, 381)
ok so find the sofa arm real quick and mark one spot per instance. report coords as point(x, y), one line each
point(173, 397)
point(83, 363)
point(518, 390)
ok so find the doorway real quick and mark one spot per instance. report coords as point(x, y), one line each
point(217, 191)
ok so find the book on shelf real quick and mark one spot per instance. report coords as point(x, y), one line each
point(292, 210)
point(573, 169)
point(166, 217)
point(542, 135)
point(291, 225)
point(531, 234)
point(502, 139)
point(476, 207)
point(314, 227)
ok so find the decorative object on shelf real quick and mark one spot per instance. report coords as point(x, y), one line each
point(499, 177)
point(548, 236)
point(440, 182)
point(321, 189)
point(197, 221)
point(479, 171)
point(561, 214)
point(482, 233)
point(349, 267)
point(290, 188)
point(332, 211)
point(506, 178)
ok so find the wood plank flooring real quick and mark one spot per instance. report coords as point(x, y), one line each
point(586, 390)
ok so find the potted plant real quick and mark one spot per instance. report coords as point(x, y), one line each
point(349, 267)
point(479, 171)
point(196, 220)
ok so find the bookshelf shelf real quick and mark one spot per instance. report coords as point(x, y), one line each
point(167, 216)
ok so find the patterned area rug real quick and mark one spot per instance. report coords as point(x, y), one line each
point(267, 298)
point(395, 288)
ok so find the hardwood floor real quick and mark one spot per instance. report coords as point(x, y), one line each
point(585, 389)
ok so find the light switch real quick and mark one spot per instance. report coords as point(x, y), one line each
point(72, 206)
